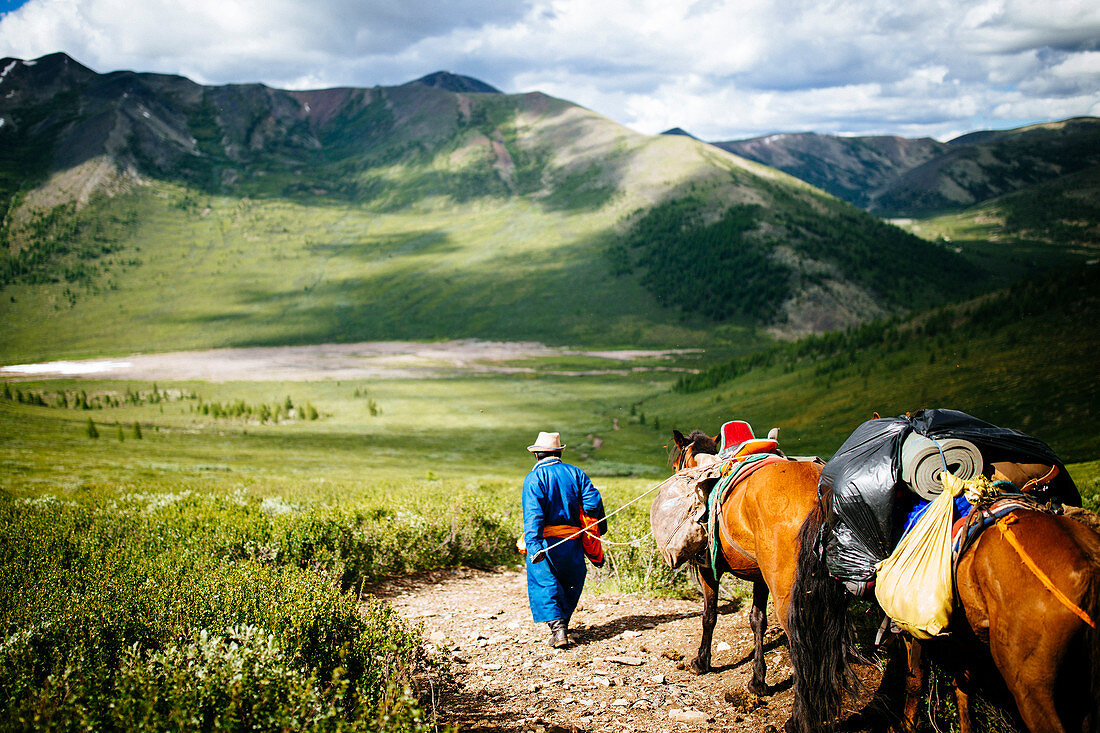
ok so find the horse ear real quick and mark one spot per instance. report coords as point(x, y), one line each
point(679, 438)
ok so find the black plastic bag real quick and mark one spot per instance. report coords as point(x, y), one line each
point(869, 498)
point(864, 476)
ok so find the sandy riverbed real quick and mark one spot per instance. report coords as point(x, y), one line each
point(368, 360)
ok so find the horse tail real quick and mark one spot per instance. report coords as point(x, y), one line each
point(817, 630)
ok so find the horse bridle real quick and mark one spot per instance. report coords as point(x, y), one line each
point(680, 455)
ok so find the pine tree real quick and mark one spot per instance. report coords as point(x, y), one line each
point(91, 429)
point(137, 430)
point(118, 432)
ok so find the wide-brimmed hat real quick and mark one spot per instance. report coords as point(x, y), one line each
point(546, 442)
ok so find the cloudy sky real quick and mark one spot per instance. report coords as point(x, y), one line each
point(722, 69)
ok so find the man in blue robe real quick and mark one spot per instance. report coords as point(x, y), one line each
point(553, 495)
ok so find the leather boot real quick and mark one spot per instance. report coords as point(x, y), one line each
point(558, 635)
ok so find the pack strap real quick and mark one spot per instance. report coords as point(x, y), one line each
point(1006, 532)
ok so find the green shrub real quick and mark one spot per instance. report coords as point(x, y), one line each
point(146, 613)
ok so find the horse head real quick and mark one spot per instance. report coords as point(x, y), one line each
point(687, 447)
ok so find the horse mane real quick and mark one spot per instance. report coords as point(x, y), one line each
point(702, 442)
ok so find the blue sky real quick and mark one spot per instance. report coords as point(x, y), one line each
point(722, 69)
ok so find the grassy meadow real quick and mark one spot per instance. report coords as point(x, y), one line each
point(192, 555)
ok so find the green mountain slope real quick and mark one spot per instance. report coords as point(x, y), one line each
point(1023, 358)
point(146, 212)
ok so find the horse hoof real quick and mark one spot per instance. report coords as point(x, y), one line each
point(699, 667)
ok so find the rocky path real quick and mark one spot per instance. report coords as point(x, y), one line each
point(626, 671)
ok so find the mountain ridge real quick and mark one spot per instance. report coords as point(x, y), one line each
point(392, 203)
point(905, 177)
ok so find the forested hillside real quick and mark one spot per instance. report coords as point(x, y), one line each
point(1022, 358)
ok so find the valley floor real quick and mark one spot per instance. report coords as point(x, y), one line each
point(367, 360)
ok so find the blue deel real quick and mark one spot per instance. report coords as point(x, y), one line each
point(553, 493)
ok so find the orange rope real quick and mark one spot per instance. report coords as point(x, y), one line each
point(1037, 481)
point(1007, 534)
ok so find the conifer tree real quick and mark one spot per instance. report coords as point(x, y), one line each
point(91, 429)
point(137, 430)
point(118, 432)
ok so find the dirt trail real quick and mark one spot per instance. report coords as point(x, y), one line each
point(625, 672)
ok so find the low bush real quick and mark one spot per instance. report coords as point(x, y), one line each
point(190, 611)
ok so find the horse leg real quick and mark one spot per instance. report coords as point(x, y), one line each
point(914, 683)
point(708, 583)
point(963, 687)
point(758, 620)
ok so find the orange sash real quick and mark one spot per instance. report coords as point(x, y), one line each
point(590, 538)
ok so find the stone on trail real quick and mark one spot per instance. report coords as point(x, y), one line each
point(694, 717)
point(629, 661)
point(722, 647)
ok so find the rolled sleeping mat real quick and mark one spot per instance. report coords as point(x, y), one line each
point(921, 465)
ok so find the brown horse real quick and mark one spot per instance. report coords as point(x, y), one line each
point(760, 522)
point(1008, 618)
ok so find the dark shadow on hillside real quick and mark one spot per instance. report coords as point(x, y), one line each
point(565, 296)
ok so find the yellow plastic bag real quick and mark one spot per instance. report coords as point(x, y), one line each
point(913, 585)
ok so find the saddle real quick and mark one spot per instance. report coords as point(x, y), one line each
point(679, 514)
point(734, 471)
point(737, 440)
point(981, 517)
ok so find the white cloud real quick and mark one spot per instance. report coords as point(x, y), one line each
point(718, 68)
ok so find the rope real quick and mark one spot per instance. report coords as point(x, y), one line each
point(1032, 483)
point(1002, 525)
point(633, 543)
point(538, 556)
point(943, 459)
